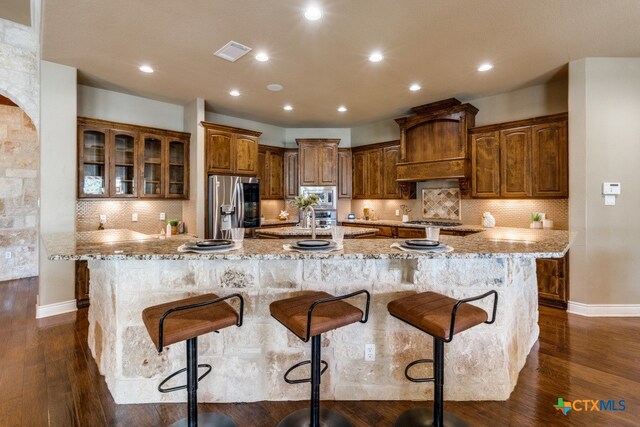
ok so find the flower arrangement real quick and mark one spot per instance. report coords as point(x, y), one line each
point(405, 209)
point(303, 202)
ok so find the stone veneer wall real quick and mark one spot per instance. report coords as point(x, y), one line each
point(19, 190)
point(19, 148)
point(248, 362)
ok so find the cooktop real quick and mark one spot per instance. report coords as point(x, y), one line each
point(437, 222)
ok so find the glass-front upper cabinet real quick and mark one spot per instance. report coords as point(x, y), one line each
point(178, 168)
point(152, 166)
point(93, 168)
point(123, 181)
point(120, 160)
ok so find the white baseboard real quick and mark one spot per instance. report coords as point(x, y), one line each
point(56, 308)
point(604, 310)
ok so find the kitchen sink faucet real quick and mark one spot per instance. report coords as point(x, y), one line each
point(313, 220)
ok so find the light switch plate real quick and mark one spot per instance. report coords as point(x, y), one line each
point(609, 200)
point(162, 216)
point(134, 217)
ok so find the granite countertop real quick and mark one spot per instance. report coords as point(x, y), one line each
point(500, 242)
point(392, 223)
point(320, 231)
point(279, 221)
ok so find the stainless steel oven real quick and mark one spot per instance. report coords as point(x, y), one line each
point(328, 196)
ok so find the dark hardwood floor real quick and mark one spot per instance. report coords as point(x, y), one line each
point(48, 377)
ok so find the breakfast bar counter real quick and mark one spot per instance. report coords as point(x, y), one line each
point(482, 363)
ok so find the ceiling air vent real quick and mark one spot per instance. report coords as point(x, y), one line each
point(232, 51)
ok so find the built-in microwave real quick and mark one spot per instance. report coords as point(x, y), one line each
point(327, 195)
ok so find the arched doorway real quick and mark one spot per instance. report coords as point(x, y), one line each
point(19, 192)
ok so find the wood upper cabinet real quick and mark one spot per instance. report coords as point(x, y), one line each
point(485, 164)
point(515, 162)
point(230, 150)
point(522, 159)
point(270, 172)
point(119, 160)
point(375, 172)
point(549, 160)
point(390, 187)
point(553, 281)
point(291, 186)
point(318, 161)
point(345, 173)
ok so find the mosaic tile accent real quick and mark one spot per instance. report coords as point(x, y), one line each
point(119, 214)
point(441, 203)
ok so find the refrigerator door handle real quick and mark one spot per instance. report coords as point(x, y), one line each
point(240, 204)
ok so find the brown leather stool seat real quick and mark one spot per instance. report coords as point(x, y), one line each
point(441, 317)
point(186, 320)
point(308, 315)
point(185, 324)
point(431, 313)
point(293, 314)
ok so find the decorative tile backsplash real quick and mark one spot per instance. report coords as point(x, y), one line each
point(119, 214)
point(441, 203)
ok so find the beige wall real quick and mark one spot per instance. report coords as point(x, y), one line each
point(539, 100)
point(271, 135)
point(193, 209)
point(604, 130)
point(57, 175)
point(120, 107)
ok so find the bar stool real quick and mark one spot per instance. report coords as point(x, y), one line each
point(308, 315)
point(441, 317)
point(186, 319)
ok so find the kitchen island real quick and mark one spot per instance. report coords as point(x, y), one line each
point(482, 363)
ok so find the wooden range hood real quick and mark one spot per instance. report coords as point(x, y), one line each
point(434, 143)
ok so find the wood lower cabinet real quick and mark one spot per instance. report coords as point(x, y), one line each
point(291, 186)
point(271, 172)
point(522, 159)
point(375, 173)
point(230, 150)
point(396, 232)
point(120, 160)
point(345, 173)
point(318, 162)
point(82, 284)
point(553, 281)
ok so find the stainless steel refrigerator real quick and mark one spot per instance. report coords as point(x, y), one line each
point(234, 201)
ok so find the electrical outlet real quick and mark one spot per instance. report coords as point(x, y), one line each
point(134, 217)
point(103, 218)
point(162, 216)
point(7, 255)
point(397, 212)
point(369, 352)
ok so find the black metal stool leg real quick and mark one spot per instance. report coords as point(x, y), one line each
point(192, 382)
point(315, 382)
point(194, 419)
point(314, 417)
point(436, 417)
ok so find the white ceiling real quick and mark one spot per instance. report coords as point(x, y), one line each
point(323, 64)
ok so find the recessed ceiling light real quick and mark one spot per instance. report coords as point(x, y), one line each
point(145, 69)
point(274, 87)
point(342, 108)
point(262, 57)
point(415, 87)
point(313, 13)
point(288, 107)
point(376, 57)
point(485, 67)
point(234, 93)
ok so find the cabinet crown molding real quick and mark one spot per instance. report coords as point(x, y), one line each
point(131, 127)
point(231, 129)
point(318, 140)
